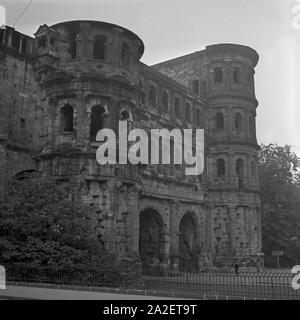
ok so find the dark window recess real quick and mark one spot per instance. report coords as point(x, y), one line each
point(51, 41)
point(196, 86)
point(1, 35)
point(220, 120)
point(218, 74)
point(16, 40)
point(99, 47)
point(97, 121)
point(22, 123)
point(236, 75)
point(42, 42)
point(188, 112)
point(67, 118)
point(177, 108)
point(124, 115)
point(198, 117)
point(220, 167)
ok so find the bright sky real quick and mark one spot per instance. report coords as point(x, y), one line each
point(171, 28)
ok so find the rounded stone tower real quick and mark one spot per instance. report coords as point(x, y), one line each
point(88, 73)
point(228, 78)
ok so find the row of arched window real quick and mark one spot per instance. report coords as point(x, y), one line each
point(98, 117)
point(239, 168)
point(166, 106)
point(100, 50)
point(238, 122)
point(100, 47)
point(218, 75)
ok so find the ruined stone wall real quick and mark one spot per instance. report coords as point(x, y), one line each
point(154, 211)
point(20, 95)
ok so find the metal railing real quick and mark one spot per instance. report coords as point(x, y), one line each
point(255, 285)
point(92, 276)
point(223, 285)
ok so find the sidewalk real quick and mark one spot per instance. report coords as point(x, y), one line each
point(27, 292)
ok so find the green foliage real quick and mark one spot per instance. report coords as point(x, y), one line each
point(280, 196)
point(39, 224)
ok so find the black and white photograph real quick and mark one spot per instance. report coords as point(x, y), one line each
point(149, 150)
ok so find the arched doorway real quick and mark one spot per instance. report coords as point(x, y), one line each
point(151, 237)
point(189, 243)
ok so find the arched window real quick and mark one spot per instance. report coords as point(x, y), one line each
point(66, 113)
point(220, 167)
point(198, 117)
point(239, 168)
point(236, 75)
point(152, 96)
point(124, 115)
point(188, 112)
point(165, 102)
point(99, 47)
point(238, 122)
point(42, 42)
point(97, 121)
point(125, 55)
point(177, 108)
point(220, 120)
point(218, 74)
point(16, 39)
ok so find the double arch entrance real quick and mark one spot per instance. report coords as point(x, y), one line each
point(154, 241)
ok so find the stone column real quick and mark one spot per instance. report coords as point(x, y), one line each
point(21, 43)
point(116, 45)
point(10, 34)
point(231, 168)
point(109, 218)
point(133, 220)
point(231, 221)
point(174, 234)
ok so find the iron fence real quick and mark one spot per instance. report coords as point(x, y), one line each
point(91, 276)
point(224, 285)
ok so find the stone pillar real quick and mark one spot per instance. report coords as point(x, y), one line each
point(133, 220)
point(21, 43)
point(231, 168)
point(231, 221)
point(207, 230)
point(116, 45)
point(174, 235)
point(9, 40)
point(85, 42)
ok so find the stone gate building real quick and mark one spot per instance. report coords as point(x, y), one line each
point(58, 89)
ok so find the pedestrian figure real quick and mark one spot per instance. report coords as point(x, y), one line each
point(236, 268)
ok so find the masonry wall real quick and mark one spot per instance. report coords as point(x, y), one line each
point(52, 86)
point(20, 96)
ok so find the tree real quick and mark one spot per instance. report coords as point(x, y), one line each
point(280, 197)
point(40, 224)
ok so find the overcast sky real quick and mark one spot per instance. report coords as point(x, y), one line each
point(171, 28)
